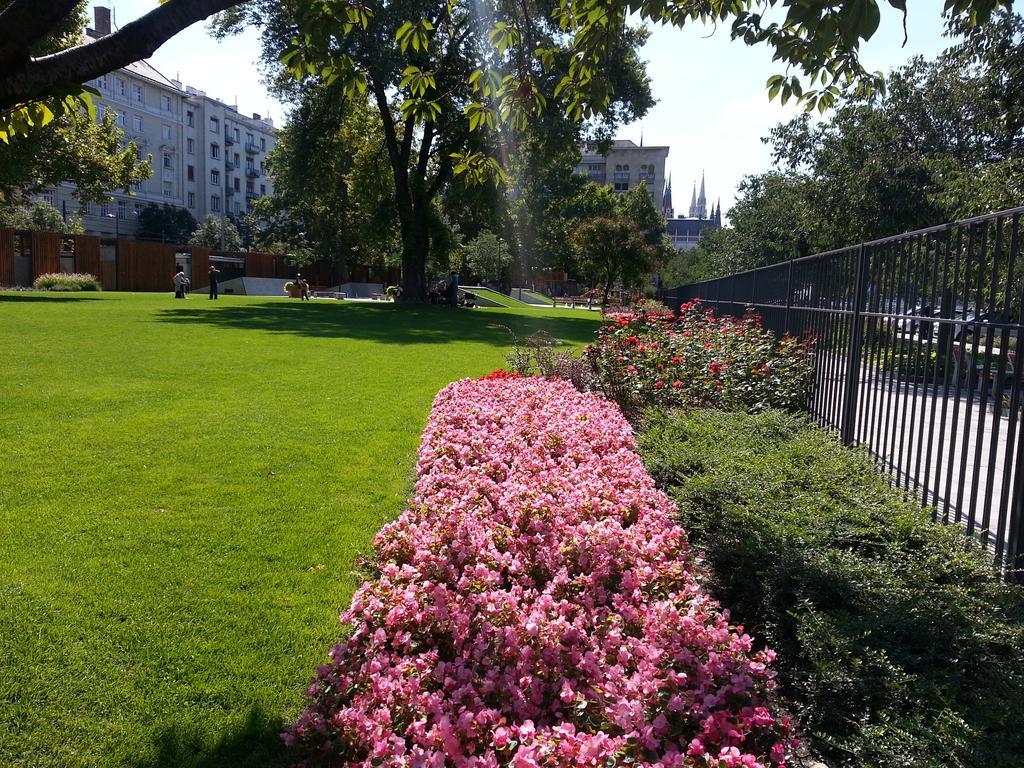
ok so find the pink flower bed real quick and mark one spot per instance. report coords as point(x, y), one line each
point(535, 606)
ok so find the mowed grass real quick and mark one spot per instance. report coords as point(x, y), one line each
point(184, 489)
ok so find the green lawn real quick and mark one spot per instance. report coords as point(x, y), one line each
point(183, 490)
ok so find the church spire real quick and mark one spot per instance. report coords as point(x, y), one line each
point(666, 201)
point(693, 203)
point(702, 207)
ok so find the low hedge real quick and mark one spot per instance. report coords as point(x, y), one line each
point(896, 644)
point(60, 281)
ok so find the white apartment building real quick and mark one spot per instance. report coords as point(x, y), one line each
point(625, 166)
point(207, 157)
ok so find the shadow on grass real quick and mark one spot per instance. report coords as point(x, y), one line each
point(386, 323)
point(253, 743)
point(27, 296)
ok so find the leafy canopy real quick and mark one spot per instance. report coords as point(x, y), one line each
point(817, 42)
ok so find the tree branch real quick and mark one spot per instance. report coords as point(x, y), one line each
point(38, 78)
point(25, 23)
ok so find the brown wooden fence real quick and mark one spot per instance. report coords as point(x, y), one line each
point(138, 265)
point(6, 257)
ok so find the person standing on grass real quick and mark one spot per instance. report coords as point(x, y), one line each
point(179, 284)
point(214, 272)
point(306, 293)
point(453, 289)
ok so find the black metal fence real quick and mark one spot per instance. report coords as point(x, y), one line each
point(917, 356)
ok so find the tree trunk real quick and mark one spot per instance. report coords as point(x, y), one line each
point(415, 249)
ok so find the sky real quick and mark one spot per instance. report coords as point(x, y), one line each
point(712, 108)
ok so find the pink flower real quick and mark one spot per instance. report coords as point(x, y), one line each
point(536, 598)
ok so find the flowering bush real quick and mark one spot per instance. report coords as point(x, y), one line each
point(698, 359)
point(535, 606)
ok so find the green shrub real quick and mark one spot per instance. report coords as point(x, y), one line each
point(897, 644)
point(58, 281)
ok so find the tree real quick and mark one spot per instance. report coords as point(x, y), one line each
point(488, 256)
point(614, 249)
point(333, 191)
point(40, 215)
point(945, 141)
point(37, 84)
point(771, 214)
point(167, 223)
point(217, 234)
point(71, 147)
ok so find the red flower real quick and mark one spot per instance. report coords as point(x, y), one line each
point(677, 384)
point(715, 366)
point(659, 384)
point(501, 373)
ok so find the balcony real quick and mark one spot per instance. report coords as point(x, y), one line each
point(250, 196)
point(228, 140)
point(229, 192)
point(252, 173)
point(251, 148)
point(229, 166)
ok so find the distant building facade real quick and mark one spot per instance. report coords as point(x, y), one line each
point(686, 233)
point(625, 166)
point(207, 157)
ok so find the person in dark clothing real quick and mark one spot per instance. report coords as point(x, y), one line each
point(214, 274)
point(453, 289)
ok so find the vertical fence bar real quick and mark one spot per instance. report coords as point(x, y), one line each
point(854, 340)
point(789, 297)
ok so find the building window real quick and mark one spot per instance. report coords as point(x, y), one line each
point(168, 189)
point(190, 118)
point(191, 199)
point(165, 103)
point(166, 133)
point(238, 208)
point(167, 162)
point(238, 186)
point(250, 164)
point(238, 135)
point(263, 144)
point(250, 188)
point(215, 203)
point(105, 209)
point(191, 173)
point(215, 178)
point(263, 190)
point(101, 82)
point(122, 210)
point(191, 144)
point(137, 93)
point(215, 151)
point(621, 186)
point(238, 159)
point(138, 186)
point(137, 123)
point(263, 167)
point(214, 125)
point(122, 88)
